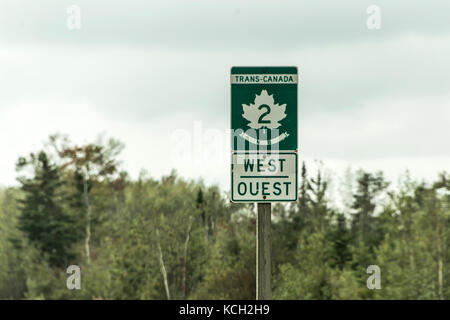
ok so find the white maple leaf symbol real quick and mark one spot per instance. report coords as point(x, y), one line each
point(264, 112)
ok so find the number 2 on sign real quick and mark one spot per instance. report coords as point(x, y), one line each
point(261, 117)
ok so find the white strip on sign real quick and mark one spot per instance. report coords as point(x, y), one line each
point(264, 78)
point(264, 177)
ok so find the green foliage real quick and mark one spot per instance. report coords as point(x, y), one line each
point(12, 273)
point(369, 186)
point(230, 270)
point(172, 238)
point(312, 275)
point(340, 238)
point(43, 217)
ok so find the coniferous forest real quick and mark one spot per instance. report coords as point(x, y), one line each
point(174, 238)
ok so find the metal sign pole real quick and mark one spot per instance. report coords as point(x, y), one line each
point(263, 252)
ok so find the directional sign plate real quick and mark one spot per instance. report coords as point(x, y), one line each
point(259, 177)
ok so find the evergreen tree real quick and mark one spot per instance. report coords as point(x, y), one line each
point(340, 238)
point(43, 218)
point(320, 213)
point(369, 186)
point(300, 211)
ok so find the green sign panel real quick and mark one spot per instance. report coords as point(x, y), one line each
point(264, 108)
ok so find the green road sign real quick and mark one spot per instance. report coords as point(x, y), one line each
point(264, 134)
point(264, 108)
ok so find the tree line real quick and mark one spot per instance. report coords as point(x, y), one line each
point(173, 238)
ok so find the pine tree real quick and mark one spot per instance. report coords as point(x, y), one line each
point(369, 186)
point(340, 238)
point(320, 213)
point(43, 218)
point(302, 214)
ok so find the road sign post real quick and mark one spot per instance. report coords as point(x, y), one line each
point(263, 252)
point(264, 150)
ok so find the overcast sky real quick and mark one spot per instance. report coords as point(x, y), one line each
point(154, 73)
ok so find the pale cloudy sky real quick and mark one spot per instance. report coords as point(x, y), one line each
point(155, 74)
